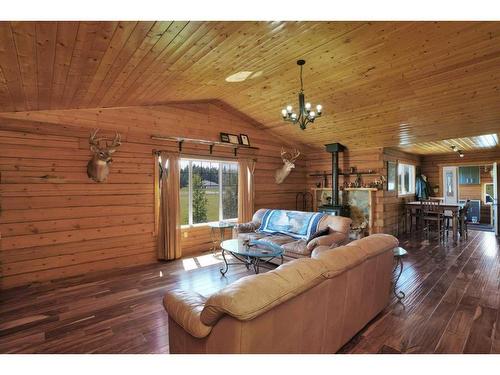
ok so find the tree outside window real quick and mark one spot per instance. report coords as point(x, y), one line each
point(209, 191)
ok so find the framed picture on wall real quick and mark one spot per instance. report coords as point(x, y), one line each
point(244, 140)
point(234, 139)
point(392, 175)
point(224, 137)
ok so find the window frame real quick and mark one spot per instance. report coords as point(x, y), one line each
point(191, 159)
point(411, 182)
point(485, 192)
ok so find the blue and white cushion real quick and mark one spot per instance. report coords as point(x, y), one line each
point(296, 224)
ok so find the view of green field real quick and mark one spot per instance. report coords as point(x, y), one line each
point(212, 209)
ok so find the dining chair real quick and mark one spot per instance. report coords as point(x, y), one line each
point(433, 215)
point(464, 231)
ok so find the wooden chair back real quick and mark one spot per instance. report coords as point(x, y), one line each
point(430, 206)
point(465, 209)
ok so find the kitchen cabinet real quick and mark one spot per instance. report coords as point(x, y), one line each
point(468, 175)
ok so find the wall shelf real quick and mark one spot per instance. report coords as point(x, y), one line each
point(345, 174)
point(181, 140)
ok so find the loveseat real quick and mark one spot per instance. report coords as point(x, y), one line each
point(294, 245)
point(309, 305)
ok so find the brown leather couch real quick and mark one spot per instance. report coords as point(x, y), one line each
point(292, 248)
point(309, 305)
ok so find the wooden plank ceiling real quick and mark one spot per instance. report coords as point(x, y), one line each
point(481, 142)
point(382, 84)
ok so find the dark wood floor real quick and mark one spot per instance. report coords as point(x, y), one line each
point(452, 305)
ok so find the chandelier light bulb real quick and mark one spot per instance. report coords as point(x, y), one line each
point(294, 116)
point(461, 155)
point(308, 106)
point(289, 108)
point(283, 112)
point(312, 114)
point(319, 107)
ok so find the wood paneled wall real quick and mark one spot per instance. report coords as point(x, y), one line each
point(55, 222)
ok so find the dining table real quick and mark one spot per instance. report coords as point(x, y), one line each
point(453, 208)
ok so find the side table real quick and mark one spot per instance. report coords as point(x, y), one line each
point(221, 226)
point(399, 254)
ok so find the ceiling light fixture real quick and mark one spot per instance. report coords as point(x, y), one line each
point(305, 115)
point(460, 152)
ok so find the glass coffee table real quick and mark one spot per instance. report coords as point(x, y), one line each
point(254, 254)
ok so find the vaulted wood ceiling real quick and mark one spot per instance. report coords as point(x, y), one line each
point(381, 83)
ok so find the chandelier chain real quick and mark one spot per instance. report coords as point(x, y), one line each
point(301, 83)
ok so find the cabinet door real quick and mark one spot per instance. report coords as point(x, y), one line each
point(474, 175)
point(461, 175)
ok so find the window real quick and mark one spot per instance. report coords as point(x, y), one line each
point(406, 179)
point(488, 193)
point(209, 191)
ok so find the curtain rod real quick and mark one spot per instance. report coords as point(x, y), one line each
point(204, 157)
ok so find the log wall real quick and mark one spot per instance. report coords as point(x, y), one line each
point(55, 222)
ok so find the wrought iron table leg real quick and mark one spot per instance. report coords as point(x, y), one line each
point(223, 271)
point(399, 295)
point(256, 265)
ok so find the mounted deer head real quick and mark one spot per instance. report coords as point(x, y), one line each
point(288, 165)
point(98, 166)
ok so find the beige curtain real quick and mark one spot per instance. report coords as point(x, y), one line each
point(245, 190)
point(169, 228)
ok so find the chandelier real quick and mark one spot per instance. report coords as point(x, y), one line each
point(305, 115)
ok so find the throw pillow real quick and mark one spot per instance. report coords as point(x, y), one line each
point(319, 233)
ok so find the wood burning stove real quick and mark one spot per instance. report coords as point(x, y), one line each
point(335, 208)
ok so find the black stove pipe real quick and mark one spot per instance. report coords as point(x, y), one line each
point(335, 178)
point(334, 149)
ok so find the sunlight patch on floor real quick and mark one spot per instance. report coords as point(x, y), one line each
point(201, 261)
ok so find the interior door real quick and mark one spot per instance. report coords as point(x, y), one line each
point(496, 210)
point(450, 184)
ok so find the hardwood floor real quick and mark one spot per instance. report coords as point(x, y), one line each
point(452, 305)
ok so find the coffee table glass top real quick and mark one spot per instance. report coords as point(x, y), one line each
point(221, 224)
point(258, 250)
point(399, 252)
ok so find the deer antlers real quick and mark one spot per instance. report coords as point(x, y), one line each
point(95, 142)
point(291, 157)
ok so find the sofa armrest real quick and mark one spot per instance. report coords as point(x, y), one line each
point(330, 239)
point(185, 308)
point(249, 227)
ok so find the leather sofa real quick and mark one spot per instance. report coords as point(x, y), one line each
point(309, 305)
point(293, 248)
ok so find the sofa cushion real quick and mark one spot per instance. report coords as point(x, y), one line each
point(340, 259)
point(333, 239)
point(319, 233)
point(253, 295)
point(295, 248)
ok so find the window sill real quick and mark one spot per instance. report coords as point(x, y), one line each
point(201, 225)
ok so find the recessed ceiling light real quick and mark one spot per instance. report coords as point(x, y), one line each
point(256, 74)
point(239, 77)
